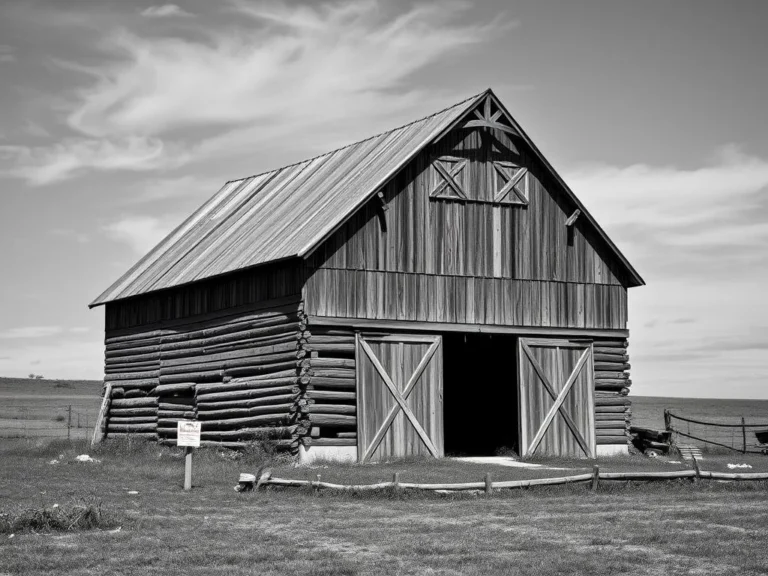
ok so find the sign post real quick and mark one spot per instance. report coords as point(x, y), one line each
point(188, 435)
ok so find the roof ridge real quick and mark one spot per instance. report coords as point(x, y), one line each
point(359, 141)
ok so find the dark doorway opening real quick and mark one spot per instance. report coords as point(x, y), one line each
point(480, 394)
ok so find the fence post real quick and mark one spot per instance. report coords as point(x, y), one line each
point(69, 420)
point(667, 420)
point(743, 436)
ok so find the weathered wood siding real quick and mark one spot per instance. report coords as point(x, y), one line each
point(475, 261)
point(206, 297)
point(461, 299)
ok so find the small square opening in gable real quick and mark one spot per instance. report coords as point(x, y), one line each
point(510, 183)
point(449, 178)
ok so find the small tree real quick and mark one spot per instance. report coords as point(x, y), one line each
point(39, 377)
point(31, 376)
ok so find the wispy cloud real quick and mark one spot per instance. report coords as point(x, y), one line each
point(165, 11)
point(7, 53)
point(79, 237)
point(141, 233)
point(46, 164)
point(276, 71)
point(30, 332)
point(717, 212)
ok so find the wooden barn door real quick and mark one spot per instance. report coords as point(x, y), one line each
point(556, 398)
point(399, 396)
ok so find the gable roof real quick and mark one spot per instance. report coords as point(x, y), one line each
point(286, 213)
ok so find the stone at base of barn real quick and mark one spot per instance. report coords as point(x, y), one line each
point(327, 453)
point(613, 450)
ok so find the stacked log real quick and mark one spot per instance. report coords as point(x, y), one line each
point(329, 399)
point(238, 372)
point(612, 407)
point(134, 416)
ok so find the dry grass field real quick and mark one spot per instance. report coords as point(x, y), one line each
point(664, 528)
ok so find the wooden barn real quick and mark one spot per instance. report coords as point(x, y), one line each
point(435, 289)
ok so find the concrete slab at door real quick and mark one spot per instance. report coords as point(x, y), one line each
point(556, 391)
point(399, 396)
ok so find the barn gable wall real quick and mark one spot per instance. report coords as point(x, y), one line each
point(475, 261)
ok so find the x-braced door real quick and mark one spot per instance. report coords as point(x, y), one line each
point(399, 396)
point(556, 398)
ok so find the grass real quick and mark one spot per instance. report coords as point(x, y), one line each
point(665, 528)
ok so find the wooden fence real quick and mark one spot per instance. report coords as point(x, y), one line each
point(488, 485)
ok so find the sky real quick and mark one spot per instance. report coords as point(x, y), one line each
point(119, 118)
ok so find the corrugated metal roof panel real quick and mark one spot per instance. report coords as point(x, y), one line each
point(279, 214)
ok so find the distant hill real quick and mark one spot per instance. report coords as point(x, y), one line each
point(45, 387)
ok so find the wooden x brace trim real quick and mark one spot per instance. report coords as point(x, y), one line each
point(511, 185)
point(559, 399)
point(449, 178)
point(400, 399)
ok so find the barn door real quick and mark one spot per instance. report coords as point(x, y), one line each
point(399, 396)
point(556, 398)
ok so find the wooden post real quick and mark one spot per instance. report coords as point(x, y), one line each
point(69, 420)
point(743, 436)
point(188, 468)
point(667, 420)
point(696, 468)
point(97, 434)
point(595, 477)
point(488, 483)
point(396, 480)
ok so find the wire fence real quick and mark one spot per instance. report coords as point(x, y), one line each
point(737, 434)
point(46, 421)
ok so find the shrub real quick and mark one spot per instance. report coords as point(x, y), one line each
point(87, 514)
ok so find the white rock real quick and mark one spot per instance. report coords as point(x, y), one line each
point(86, 458)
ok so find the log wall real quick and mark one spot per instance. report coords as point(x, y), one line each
point(613, 409)
point(242, 372)
point(330, 397)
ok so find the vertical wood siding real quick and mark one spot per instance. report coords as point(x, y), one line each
point(464, 300)
point(557, 363)
point(210, 296)
point(476, 237)
point(399, 359)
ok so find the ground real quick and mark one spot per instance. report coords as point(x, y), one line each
point(666, 528)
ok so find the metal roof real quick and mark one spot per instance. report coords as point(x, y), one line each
point(285, 213)
point(279, 214)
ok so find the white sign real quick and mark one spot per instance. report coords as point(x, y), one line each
point(188, 433)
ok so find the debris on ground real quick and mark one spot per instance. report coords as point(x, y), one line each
point(86, 458)
point(732, 466)
point(133, 492)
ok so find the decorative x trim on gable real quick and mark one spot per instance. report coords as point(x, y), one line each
point(513, 191)
point(449, 169)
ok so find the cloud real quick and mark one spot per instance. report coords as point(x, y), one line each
point(141, 233)
point(717, 212)
point(274, 73)
point(79, 330)
point(46, 164)
point(63, 359)
point(159, 189)
point(30, 332)
point(78, 237)
point(7, 53)
point(165, 11)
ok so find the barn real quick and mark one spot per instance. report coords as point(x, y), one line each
point(436, 289)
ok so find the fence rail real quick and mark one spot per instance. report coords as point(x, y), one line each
point(45, 421)
point(715, 433)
